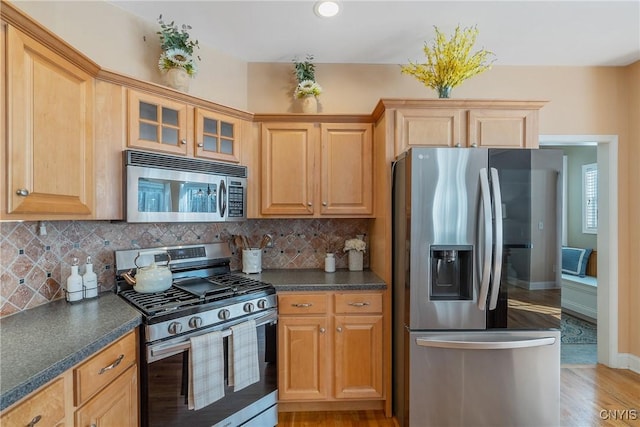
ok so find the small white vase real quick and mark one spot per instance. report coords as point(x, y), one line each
point(330, 263)
point(177, 78)
point(309, 104)
point(355, 260)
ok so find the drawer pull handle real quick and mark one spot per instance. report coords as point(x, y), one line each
point(303, 305)
point(35, 420)
point(113, 365)
point(359, 304)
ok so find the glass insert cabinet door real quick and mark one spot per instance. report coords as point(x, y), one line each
point(158, 124)
point(217, 136)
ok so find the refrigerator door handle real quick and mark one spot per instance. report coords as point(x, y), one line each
point(497, 256)
point(498, 344)
point(485, 198)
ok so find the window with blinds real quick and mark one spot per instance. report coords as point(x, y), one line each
point(590, 198)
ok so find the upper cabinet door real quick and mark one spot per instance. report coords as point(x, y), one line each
point(287, 172)
point(158, 124)
point(346, 169)
point(435, 127)
point(217, 136)
point(49, 135)
point(492, 128)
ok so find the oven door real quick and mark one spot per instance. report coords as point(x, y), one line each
point(162, 195)
point(164, 378)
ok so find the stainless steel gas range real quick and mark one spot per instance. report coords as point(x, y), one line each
point(205, 296)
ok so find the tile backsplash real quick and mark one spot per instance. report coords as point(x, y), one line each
point(34, 266)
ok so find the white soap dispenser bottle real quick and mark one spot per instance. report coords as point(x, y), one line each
point(74, 283)
point(90, 280)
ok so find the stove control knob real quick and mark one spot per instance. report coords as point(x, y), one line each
point(195, 322)
point(248, 307)
point(224, 314)
point(262, 303)
point(175, 328)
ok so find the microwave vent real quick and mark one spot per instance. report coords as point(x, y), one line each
point(163, 161)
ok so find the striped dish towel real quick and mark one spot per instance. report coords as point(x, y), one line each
point(206, 370)
point(243, 355)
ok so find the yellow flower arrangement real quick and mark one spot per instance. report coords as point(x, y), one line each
point(450, 62)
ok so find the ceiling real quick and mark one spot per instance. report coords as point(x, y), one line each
point(547, 33)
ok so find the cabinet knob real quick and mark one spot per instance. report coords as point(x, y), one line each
point(324, 203)
point(200, 144)
point(322, 330)
point(183, 141)
point(474, 145)
point(35, 421)
point(339, 329)
point(309, 204)
point(22, 192)
point(458, 145)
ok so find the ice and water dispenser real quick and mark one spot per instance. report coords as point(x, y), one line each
point(451, 272)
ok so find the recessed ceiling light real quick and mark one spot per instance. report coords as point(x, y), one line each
point(326, 9)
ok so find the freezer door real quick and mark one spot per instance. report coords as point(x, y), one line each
point(496, 378)
point(530, 185)
point(444, 230)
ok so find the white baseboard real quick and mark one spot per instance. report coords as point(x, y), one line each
point(628, 361)
point(533, 286)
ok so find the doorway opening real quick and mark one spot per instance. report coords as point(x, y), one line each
point(607, 264)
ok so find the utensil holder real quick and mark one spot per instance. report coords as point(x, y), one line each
point(251, 261)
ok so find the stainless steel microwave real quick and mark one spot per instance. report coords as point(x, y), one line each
point(166, 188)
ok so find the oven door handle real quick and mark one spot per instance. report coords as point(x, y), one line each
point(156, 352)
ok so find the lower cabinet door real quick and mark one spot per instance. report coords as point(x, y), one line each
point(302, 358)
point(358, 357)
point(115, 406)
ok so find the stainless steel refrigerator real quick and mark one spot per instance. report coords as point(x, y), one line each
point(476, 287)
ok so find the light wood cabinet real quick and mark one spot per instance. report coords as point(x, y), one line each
point(217, 136)
point(302, 350)
point(103, 368)
point(116, 405)
point(314, 170)
point(48, 153)
point(175, 127)
point(46, 407)
point(330, 346)
point(101, 391)
point(467, 123)
point(160, 124)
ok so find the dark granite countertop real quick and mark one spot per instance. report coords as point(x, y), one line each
point(38, 344)
point(318, 280)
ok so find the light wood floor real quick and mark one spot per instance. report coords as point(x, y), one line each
point(586, 390)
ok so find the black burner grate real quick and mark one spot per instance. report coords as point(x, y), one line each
point(222, 287)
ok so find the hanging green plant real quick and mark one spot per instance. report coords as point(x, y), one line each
point(450, 62)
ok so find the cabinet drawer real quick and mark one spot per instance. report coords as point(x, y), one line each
point(45, 408)
point(302, 304)
point(360, 302)
point(103, 368)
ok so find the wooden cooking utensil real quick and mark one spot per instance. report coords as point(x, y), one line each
point(239, 241)
point(265, 241)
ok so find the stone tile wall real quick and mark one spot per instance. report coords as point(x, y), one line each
point(34, 267)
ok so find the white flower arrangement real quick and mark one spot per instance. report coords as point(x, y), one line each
point(355, 245)
point(307, 87)
point(177, 48)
